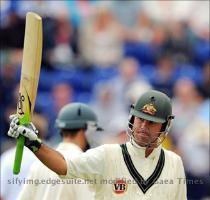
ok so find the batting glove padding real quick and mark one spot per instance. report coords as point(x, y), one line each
point(29, 132)
point(13, 126)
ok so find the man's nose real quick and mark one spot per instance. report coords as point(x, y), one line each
point(144, 123)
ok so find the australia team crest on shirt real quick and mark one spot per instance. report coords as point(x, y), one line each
point(119, 186)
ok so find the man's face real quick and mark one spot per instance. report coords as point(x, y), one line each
point(146, 132)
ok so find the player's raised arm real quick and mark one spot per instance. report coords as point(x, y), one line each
point(49, 157)
point(52, 159)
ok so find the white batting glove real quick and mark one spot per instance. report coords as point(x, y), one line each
point(16, 129)
point(13, 126)
point(28, 131)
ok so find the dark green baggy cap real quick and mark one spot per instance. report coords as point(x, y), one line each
point(153, 106)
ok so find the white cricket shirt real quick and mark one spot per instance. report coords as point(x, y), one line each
point(160, 175)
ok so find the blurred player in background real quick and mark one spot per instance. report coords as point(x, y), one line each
point(75, 122)
point(138, 169)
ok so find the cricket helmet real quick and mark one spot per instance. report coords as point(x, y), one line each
point(75, 116)
point(153, 106)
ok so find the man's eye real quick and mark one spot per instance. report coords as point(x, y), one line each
point(140, 119)
point(151, 122)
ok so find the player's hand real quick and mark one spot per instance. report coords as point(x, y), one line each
point(13, 126)
point(16, 129)
point(28, 131)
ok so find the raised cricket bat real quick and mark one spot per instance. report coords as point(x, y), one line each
point(30, 71)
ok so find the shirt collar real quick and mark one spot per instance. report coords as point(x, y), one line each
point(68, 145)
point(139, 151)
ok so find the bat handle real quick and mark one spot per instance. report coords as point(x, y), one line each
point(18, 154)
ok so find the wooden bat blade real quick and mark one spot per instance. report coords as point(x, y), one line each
point(30, 71)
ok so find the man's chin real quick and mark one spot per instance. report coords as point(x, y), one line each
point(141, 143)
point(145, 144)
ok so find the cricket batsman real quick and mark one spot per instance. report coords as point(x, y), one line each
point(138, 169)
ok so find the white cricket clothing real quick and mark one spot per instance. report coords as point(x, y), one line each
point(11, 184)
point(47, 184)
point(105, 165)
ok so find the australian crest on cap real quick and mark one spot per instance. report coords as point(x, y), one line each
point(149, 109)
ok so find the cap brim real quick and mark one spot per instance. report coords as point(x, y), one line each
point(147, 117)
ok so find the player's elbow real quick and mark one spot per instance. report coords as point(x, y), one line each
point(61, 168)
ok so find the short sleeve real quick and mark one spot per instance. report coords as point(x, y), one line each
point(89, 165)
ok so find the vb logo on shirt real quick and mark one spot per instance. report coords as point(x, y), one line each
point(120, 187)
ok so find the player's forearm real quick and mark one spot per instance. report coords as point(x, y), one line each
point(52, 159)
point(49, 157)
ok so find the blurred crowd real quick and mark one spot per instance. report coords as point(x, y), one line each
point(106, 54)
